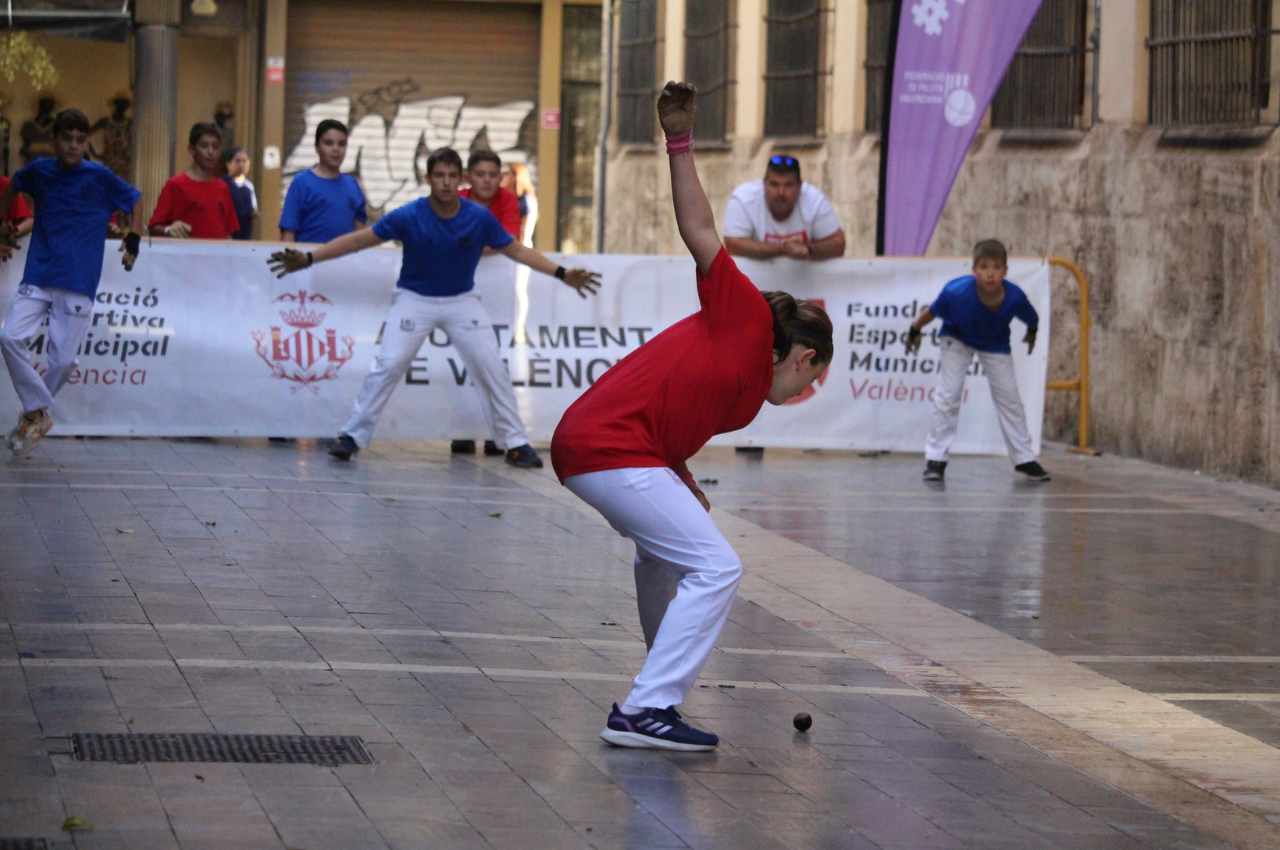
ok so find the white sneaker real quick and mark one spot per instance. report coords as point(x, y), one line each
point(29, 432)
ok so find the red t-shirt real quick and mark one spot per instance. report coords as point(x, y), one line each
point(18, 210)
point(505, 207)
point(205, 205)
point(705, 375)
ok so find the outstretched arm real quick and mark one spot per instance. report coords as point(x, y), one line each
point(292, 260)
point(677, 107)
point(585, 282)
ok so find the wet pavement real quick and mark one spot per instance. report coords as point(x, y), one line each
point(1115, 564)
point(1088, 663)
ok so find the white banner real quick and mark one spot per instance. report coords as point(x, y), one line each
point(201, 340)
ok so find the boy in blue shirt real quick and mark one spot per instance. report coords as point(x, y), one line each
point(323, 203)
point(74, 201)
point(443, 236)
point(976, 311)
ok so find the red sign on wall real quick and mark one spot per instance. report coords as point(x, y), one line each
point(551, 118)
point(275, 69)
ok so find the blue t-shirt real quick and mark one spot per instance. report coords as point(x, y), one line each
point(73, 209)
point(966, 318)
point(318, 209)
point(441, 254)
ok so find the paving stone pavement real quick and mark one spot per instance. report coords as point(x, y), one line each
point(473, 624)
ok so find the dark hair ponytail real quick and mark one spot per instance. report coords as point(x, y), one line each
point(799, 323)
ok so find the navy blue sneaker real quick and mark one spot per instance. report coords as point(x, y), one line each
point(524, 457)
point(657, 729)
point(1032, 471)
point(343, 447)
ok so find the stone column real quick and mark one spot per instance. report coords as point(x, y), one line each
point(155, 109)
point(749, 113)
point(1122, 77)
point(546, 235)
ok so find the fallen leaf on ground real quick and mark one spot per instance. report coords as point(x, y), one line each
point(76, 823)
point(120, 530)
point(495, 516)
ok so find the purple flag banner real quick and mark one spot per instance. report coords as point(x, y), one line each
point(950, 58)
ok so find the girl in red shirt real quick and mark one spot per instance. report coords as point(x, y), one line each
point(197, 204)
point(622, 446)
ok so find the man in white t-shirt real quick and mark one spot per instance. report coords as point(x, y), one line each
point(782, 216)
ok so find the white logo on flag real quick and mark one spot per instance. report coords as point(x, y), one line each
point(930, 14)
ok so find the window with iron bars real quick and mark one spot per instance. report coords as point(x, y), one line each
point(792, 70)
point(1210, 62)
point(879, 20)
point(1044, 86)
point(707, 25)
point(637, 70)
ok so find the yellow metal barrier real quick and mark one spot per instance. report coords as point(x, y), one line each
point(1081, 383)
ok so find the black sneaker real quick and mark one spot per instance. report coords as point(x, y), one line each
point(462, 447)
point(657, 729)
point(1032, 471)
point(491, 449)
point(343, 447)
point(524, 457)
point(935, 470)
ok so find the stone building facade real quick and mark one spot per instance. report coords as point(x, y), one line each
point(1174, 223)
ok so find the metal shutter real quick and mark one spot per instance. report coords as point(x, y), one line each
point(408, 76)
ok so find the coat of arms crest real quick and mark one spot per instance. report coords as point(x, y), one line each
point(304, 352)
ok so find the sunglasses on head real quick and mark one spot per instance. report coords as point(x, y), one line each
point(783, 159)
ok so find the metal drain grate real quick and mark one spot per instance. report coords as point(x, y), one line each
point(324, 750)
point(23, 844)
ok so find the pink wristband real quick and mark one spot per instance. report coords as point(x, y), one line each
point(679, 143)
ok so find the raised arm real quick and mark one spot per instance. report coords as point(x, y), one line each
point(293, 260)
point(677, 107)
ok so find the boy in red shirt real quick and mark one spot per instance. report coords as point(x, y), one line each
point(484, 173)
point(197, 204)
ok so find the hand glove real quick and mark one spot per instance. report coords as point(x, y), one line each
point(914, 336)
point(178, 230)
point(584, 281)
point(677, 107)
point(1030, 339)
point(8, 242)
point(702, 498)
point(130, 246)
point(289, 260)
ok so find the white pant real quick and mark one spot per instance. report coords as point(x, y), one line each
point(686, 573)
point(69, 314)
point(412, 318)
point(952, 368)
